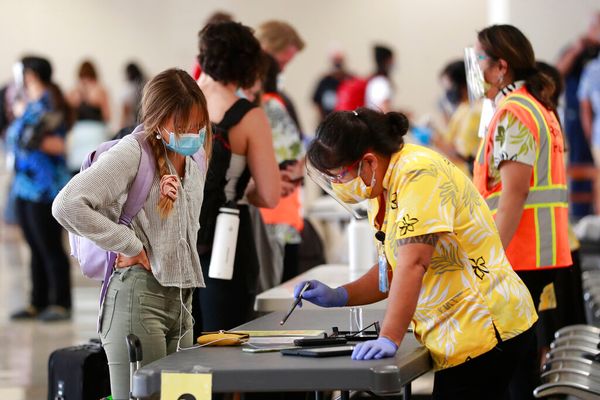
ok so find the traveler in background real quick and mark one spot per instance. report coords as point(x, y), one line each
point(325, 94)
point(460, 140)
point(571, 64)
point(280, 40)
point(568, 288)
point(446, 272)
point(90, 104)
point(379, 92)
point(37, 139)
point(242, 171)
point(217, 16)
point(89, 99)
point(132, 96)
point(589, 106)
point(157, 263)
point(520, 170)
point(284, 223)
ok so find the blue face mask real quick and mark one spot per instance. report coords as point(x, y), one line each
point(187, 144)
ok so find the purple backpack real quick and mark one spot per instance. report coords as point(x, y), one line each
point(95, 262)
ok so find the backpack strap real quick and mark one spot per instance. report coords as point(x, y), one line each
point(234, 115)
point(140, 188)
point(136, 197)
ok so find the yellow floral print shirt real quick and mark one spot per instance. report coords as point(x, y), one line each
point(470, 286)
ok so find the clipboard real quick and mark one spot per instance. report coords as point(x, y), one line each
point(329, 351)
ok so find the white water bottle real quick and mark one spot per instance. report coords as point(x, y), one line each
point(224, 244)
point(361, 246)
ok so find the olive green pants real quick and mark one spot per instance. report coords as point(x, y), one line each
point(136, 303)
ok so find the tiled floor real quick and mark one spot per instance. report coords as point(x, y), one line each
point(25, 346)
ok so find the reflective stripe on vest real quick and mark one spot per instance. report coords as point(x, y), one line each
point(542, 172)
point(549, 196)
point(544, 195)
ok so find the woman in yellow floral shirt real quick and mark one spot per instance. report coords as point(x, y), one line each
point(449, 275)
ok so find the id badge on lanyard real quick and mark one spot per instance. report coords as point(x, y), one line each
point(384, 283)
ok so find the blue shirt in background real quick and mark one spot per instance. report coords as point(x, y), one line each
point(589, 89)
point(38, 176)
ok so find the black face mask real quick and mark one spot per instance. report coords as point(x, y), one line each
point(453, 95)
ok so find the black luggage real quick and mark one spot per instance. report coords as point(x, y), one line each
point(78, 373)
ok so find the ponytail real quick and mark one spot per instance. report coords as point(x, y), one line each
point(165, 203)
point(542, 87)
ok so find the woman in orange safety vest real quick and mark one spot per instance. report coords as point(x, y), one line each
point(520, 168)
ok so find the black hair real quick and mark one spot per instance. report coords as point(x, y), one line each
point(555, 76)
point(455, 71)
point(510, 44)
point(41, 67)
point(382, 56)
point(345, 136)
point(229, 53)
point(272, 70)
point(134, 73)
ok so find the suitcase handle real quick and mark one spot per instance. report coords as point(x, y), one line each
point(134, 347)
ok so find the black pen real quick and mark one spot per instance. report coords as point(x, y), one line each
point(296, 302)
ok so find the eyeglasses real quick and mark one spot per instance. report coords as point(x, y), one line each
point(339, 177)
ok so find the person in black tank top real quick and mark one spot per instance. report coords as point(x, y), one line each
point(89, 99)
point(230, 57)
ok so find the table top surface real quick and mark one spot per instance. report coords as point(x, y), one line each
point(236, 371)
point(280, 297)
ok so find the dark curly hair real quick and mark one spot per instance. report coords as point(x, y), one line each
point(230, 53)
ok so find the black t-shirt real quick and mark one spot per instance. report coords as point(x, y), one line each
point(325, 95)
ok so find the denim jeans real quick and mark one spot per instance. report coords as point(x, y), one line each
point(136, 303)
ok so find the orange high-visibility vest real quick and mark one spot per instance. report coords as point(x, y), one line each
point(287, 212)
point(541, 240)
point(288, 209)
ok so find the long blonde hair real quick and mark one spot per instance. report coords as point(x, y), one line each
point(172, 93)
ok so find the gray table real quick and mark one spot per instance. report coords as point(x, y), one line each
point(236, 371)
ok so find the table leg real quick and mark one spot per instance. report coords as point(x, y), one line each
point(406, 392)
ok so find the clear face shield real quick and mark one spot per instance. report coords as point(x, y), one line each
point(357, 207)
point(475, 81)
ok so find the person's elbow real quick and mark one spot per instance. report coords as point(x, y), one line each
point(270, 197)
point(59, 209)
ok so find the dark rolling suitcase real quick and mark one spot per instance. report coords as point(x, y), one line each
point(78, 373)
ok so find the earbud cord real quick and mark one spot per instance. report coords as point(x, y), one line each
point(186, 247)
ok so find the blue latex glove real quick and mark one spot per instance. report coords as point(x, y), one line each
point(322, 295)
point(382, 347)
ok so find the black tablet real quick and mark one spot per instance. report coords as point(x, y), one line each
point(329, 351)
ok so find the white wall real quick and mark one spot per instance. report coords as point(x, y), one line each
point(551, 24)
point(159, 34)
